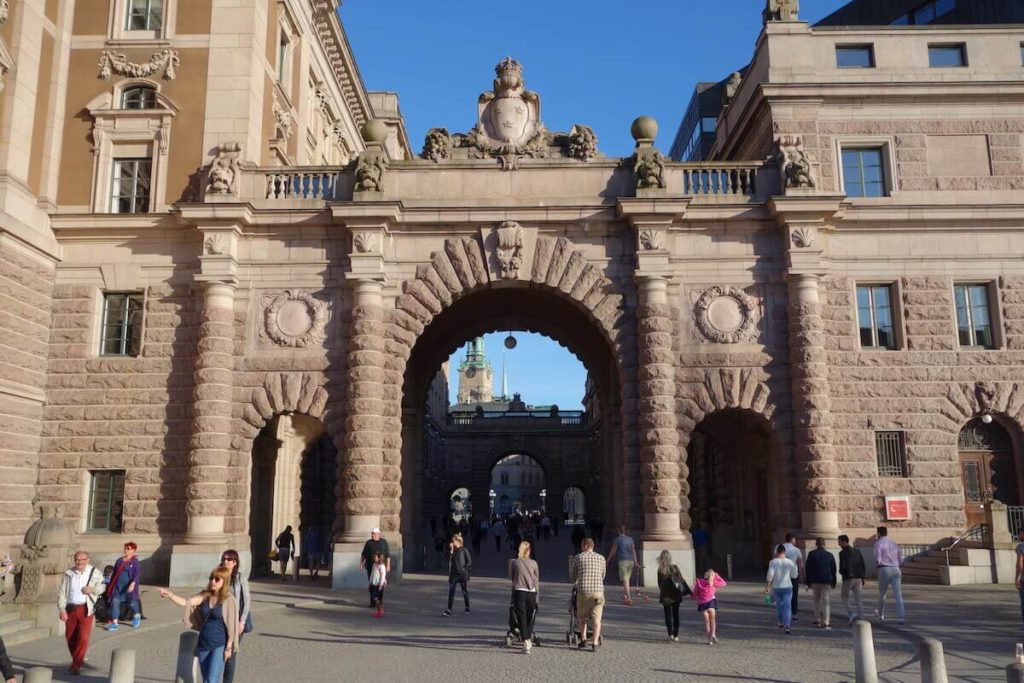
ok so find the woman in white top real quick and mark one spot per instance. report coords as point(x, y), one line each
point(781, 573)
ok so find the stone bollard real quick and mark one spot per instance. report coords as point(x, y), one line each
point(38, 674)
point(864, 653)
point(122, 665)
point(185, 670)
point(1015, 673)
point(933, 661)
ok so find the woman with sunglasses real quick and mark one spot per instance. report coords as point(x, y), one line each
point(214, 613)
point(124, 587)
point(240, 592)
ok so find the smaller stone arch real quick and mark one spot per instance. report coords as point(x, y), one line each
point(290, 392)
point(724, 388)
point(965, 401)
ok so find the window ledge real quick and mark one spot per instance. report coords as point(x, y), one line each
point(139, 41)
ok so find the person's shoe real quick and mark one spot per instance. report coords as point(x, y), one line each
point(467, 610)
point(853, 618)
point(136, 621)
point(380, 612)
point(583, 645)
point(880, 615)
point(787, 630)
point(781, 627)
point(74, 672)
point(714, 639)
point(675, 639)
point(111, 627)
point(901, 622)
point(527, 646)
point(817, 622)
point(795, 618)
point(446, 613)
point(827, 627)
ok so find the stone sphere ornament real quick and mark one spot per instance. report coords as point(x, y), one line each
point(375, 130)
point(644, 128)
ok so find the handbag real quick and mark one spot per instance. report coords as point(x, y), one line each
point(680, 583)
point(273, 554)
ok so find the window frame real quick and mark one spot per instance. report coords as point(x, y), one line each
point(126, 336)
point(94, 477)
point(960, 47)
point(119, 33)
point(994, 315)
point(895, 296)
point(138, 88)
point(115, 182)
point(889, 178)
point(868, 48)
point(903, 465)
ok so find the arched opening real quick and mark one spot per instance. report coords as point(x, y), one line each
point(518, 484)
point(988, 468)
point(294, 471)
point(574, 504)
point(732, 489)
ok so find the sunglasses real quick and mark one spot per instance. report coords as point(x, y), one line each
point(216, 578)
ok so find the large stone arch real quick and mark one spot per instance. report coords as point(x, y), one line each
point(965, 401)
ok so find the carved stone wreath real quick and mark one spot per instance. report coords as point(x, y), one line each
point(726, 315)
point(294, 318)
point(113, 62)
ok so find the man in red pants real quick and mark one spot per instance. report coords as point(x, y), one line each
point(79, 588)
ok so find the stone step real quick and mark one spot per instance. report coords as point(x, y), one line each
point(8, 614)
point(26, 635)
point(15, 625)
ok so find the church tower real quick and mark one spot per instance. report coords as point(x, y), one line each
point(476, 377)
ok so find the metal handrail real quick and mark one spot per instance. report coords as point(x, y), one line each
point(976, 532)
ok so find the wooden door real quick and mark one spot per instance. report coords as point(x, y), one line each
point(976, 470)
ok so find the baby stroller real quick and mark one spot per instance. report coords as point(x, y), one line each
point(515, 631)
point(573, 635)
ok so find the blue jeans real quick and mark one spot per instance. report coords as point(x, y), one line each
point(1022, 601)
point(115, 604)
point(784, 606)
point(891, 577)
point(211, 664)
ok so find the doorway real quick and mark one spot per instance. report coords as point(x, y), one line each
point(987, 468)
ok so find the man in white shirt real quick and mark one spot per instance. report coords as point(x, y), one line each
point(794, 555)
point(80, 586)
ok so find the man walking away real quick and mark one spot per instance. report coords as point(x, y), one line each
point(794, 555)
point(625, 548)
point(821, 577)
point(1019, 580)
point(854, 573)
point(888, 558)
point(587, 574)
point(498, 529)
point(80, 586)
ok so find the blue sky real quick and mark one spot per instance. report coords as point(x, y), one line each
point(594, 62)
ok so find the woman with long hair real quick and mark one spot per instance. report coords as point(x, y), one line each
point(672, 587)
point(214, 613)
point(240, 592)
point(525, 575)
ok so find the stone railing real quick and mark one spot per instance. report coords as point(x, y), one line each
point(518, 420)
point(726, 179)
point(291, 182)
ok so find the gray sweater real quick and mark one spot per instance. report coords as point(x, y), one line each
point(525, 575)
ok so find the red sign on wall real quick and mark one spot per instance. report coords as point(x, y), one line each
point(897, 508)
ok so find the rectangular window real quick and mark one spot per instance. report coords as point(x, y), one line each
point(145, 15)
point(947, 55)
point(973, 319)
point(874, 315)
point(863, 172)
point(855, 56)
point(131, 186)
point(891, 454)
point(121, 332)
point(282, 58)
point(106, 500)
point(1022, 54)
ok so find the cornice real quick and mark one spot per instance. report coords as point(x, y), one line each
point(336, 46)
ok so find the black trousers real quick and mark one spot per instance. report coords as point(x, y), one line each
point(6, 670)
point(525, 605)
point(672, 619)
point(796, 594)
point(452, 583)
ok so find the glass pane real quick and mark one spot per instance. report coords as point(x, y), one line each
point(901, 20)
point(972, 481)
point(945, 55)
point(864, 316)
point(924, 15)
point(853, 57)
point(944, 7)
point(156, 15)
point(980, 317)
point(874, 189)
point(883, 317)
point(963, 321)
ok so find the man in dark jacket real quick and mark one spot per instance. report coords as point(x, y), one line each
point(459, 566)
point(820, 573)
point(854, 573)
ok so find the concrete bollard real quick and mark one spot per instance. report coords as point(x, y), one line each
point(122, 665)
point(864, 653)
point(933, 661)
point(38, 674)
point(185, 670)
point(1015, 673)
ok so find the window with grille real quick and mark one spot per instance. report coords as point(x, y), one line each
point(139, 97)
point(874, 316)
point(973, 317)
point(864, 172)
point(106, 500)
point(891, 453)
point(145, 15)
point(131, 185)
point(121, 331)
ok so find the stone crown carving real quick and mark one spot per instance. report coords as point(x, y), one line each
point(726, 315)
point(112, 62)
point(294, 318)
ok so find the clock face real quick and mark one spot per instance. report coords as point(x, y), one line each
point(471, 372)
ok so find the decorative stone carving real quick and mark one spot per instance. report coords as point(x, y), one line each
point(803, 236)
point(726, 315)
point(510, 249)
point(365, 242)
point(651, 239)
point(112, 62)
point(294, 318)
point(794, 162)
point(47, 551)
point(226, 169)
point(5, 9)
point(781, 10)
point(582, 143)
point(282, 116)
point(649, 168)
point(437, 145)
point(216, 245)
point(370, 168)
point(731, 86)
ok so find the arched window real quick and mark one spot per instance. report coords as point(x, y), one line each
point(138, 97)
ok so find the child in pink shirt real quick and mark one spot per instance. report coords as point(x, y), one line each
point(704, 595)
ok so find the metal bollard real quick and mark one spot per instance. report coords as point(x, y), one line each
point(933, 661)
point(864, 653)
point(185, 670)
point(1015, 673)
point(38, 674)
point(122, 665)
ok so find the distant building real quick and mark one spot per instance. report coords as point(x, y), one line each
point(696, 134)
point(916, 12)
point(476, 377)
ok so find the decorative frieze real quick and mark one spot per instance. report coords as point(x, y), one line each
point(112, 62)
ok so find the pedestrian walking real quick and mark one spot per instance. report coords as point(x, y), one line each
point(214, 613)
point(124, 587)
point(545, 527)
point(577, 536)
point(285, 544)
point(376, 545)
point(239, 587)
point(625, 548)
point(782, 572)
point(314, 540)
point(587, 574)
point(672, 588)
point(1019, 578)
point(854, 573)
point(525, 575)
point(498, 530)
point(820, 575)
point(378, 582)
point(888, 558)
point(794, 555)
point(478, 537)
point(76, 603)
point(704, 594)
point(459, 565)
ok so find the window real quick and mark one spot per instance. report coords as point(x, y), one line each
point(947, 55)
point(855, 56)
point(863, 172)
point(891, 454)
point(874, 314)
point(130, 186)
point(1022, 54)
point(282, 56)
point(106, 500)
point(138, 97)
point(504, 478)
point(973, 320)
point(145, 15)
point(121, 331)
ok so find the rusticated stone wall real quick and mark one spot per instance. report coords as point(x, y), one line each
point(120, 413)
point(26, 286)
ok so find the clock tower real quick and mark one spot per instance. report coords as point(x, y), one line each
point(476, 377)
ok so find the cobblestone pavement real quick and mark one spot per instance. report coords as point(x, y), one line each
point(307, 633)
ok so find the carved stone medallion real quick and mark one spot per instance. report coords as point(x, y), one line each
point(651, 240)
point(726, 315)
point(294, 318)
point(803, 237)
point(365, 242)
point(510, 249)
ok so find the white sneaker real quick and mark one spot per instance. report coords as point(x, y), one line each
point(527, 646)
